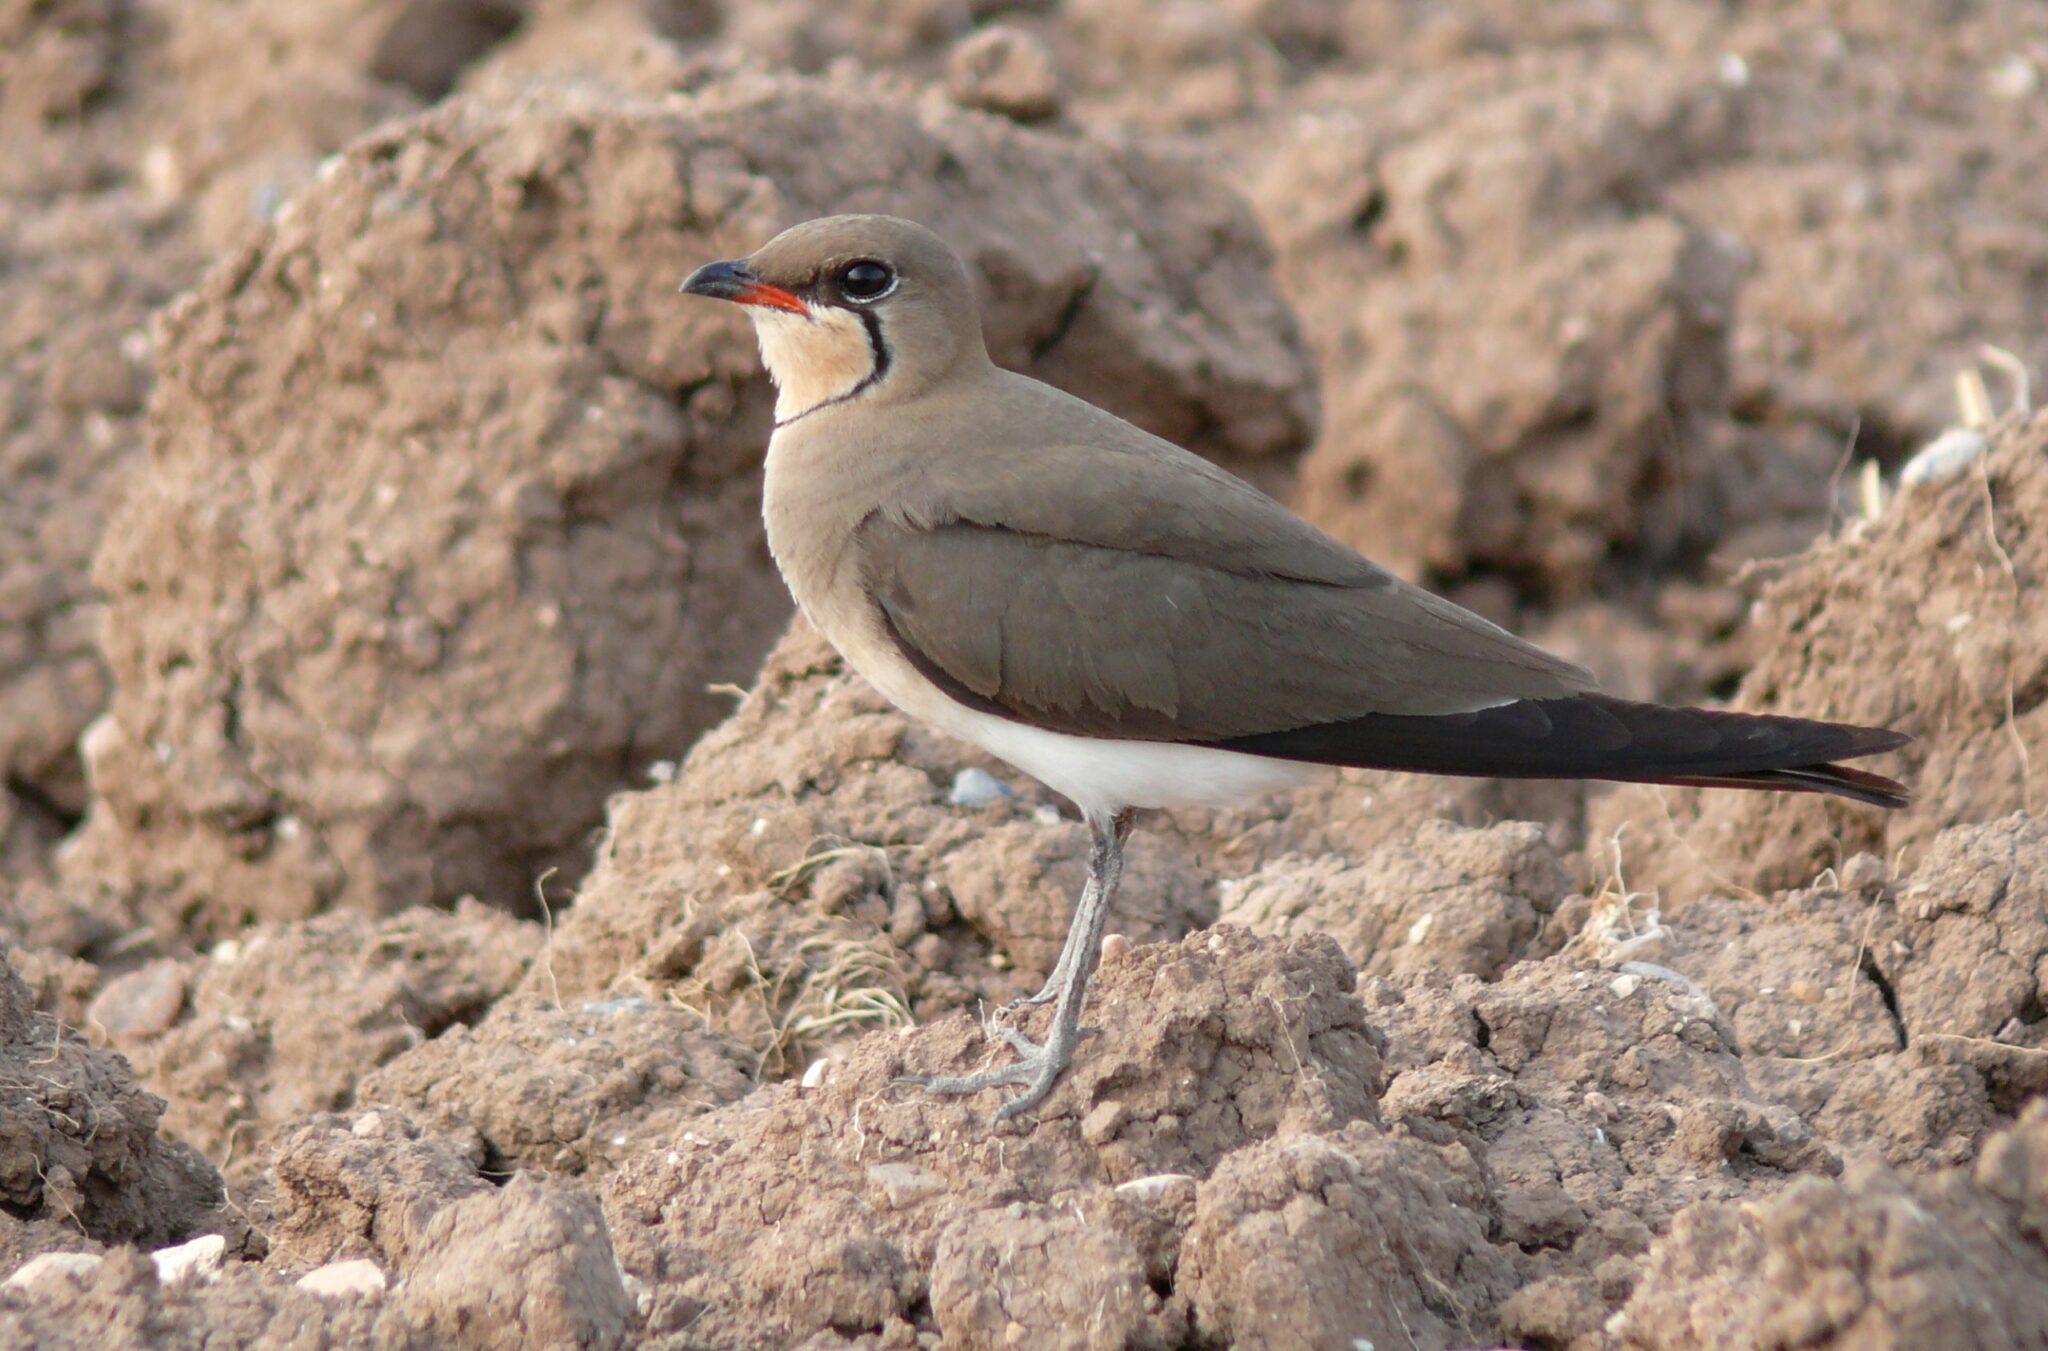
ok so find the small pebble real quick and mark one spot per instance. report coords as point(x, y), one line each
point(2015, 78)
point(1004, 70)
point(1157, 1188)
point(358, 1278)
point(975, 788)
point(53, 1266)
point(1944, 457)
point(141, 1003)
point(199, 1260)
point(607, 1008)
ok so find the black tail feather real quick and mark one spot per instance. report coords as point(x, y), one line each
point(1591, 736)
point(1836, 780)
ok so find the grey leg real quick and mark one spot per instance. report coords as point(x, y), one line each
point(1057, 981)
point(1039, 1067)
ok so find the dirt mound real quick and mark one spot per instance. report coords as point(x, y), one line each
point(262, 1032)
point(851, 1203)
point(79, 1142)
point(1900, 1015)
point(1220, 1131)
point(1921, 621)
point(567, 1089)
point(1447, 898)
point(1581, 410)
point(1599, 1103)
point(1877, 1259)
point(367, 1186)
point(527, 1266)
point(423, 685)
point(1366, 1228)
point(135, 141)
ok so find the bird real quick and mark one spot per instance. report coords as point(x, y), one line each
point(1123, 620)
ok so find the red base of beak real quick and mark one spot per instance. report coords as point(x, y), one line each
point(774, 297)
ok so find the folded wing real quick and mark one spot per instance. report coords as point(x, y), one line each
point(1175, 603)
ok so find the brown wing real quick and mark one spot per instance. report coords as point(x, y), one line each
point(1096, 640)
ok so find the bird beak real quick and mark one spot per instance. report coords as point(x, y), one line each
point(732, 281)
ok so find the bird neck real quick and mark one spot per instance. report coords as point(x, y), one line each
point(818, 359)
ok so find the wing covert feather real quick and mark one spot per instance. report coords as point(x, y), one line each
point(1095, 640)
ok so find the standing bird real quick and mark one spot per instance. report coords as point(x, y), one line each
point(1123, 620)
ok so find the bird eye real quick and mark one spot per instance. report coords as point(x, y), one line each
point(866, 280)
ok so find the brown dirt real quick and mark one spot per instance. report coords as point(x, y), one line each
point(853, 1205)
point(136, 141)
point(1878, 1259)
point(1921, 620)
point(1448, 899)
point(567, 1089)
point(262, 1032)
point(79, 1145)
point(365, 1187)
point(434, 524)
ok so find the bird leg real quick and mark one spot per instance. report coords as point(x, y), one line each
point(1058, 979)
point(1061, 969)
point(1038, 1067)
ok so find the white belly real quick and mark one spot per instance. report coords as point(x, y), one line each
point(1097, 774)
point(1102, 776)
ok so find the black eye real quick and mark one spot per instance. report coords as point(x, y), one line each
point(866, 280)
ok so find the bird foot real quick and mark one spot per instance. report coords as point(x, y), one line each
point(1035, 1073)
point(1036, 1069)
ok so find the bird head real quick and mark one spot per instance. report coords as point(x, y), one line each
point(851, 308)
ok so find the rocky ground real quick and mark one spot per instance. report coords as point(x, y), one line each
point(446, 903)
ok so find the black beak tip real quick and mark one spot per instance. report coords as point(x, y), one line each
point(720, 281)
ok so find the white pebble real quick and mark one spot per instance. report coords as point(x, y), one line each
point(1944, 457)
point(358, 1278)
point(975, 788)
point(1157, 1187)
point(53, 1266)
point(198, 1260)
